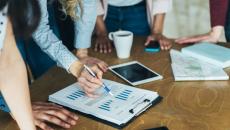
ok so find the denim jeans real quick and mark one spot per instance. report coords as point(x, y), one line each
point(131, 18)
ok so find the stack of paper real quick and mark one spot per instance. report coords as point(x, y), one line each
point(187, 68)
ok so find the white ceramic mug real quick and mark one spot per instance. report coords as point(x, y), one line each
point(123, 41)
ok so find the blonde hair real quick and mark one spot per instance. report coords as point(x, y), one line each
point(70, 8)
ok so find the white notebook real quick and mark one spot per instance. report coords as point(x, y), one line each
point(187, 68)
point(127, 102)
point(212, 53)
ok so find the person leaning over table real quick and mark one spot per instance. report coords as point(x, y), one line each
point(17, 18)
point(131, 15)
point(83, 12)
point(219, 10)
point(45, 38)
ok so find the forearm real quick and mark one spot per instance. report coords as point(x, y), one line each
point(158, 24)
point(14, 84)
point(100, 26)
point(16, 94)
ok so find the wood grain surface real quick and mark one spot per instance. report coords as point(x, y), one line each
point(203, 105)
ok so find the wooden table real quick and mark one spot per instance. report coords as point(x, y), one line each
point(203, 105)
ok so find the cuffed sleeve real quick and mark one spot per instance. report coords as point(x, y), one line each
point(49, 43)
point(161, 6)
point(100, 9)
point(85, 25)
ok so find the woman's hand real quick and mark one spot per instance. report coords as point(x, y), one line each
point(213, 37)
point(103, 44)
point(165, 43)
point(50, 113)
point(91, 61)
point(82, 54)
point(88, 83)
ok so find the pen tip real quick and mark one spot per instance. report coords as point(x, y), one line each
point(110, 93)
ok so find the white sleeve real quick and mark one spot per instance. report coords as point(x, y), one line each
point(3, 25)
point(100, 9)
point(161, 6)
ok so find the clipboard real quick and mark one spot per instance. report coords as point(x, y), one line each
point(93, 109)
point(155, 102)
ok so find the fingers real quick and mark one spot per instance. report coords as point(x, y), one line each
point(63, 115)
point(102, 66)
point(96, 46)
point(105, 47)
point(89, 83)
point(109, 47)
point(89, 78)
point(48, 112)
point(88, 89)
point(42, 125)
point(101, 47)
point(39, 105)
point(165, 44)
point(98, 72)
point(148, 40)
point(53, 119)
point(103, 44)
point(193, 39)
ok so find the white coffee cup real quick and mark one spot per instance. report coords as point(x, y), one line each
point(123, 41)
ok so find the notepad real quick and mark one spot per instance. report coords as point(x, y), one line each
point(118, 110)
point(187, 68)
point(211, 53)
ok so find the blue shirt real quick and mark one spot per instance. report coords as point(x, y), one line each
point(53, 46)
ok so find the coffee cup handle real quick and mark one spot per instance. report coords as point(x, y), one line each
point(111, 36)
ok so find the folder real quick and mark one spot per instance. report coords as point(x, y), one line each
point(118, 110)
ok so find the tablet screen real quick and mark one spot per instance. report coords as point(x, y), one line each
point(134, 72)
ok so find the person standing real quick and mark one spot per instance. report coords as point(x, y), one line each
point(220, 16)
point(142, 17)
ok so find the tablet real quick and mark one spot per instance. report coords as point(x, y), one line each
point(135, 73)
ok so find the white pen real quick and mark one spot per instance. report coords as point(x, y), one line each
point(94, 75)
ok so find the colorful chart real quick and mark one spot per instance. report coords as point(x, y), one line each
point(76, 95)
point(106, 105)
point(124, 95)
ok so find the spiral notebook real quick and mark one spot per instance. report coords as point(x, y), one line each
point(118, 110)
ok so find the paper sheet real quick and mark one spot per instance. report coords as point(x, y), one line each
point(112, 108)
point(189, 68)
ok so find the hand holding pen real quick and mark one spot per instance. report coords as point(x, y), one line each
point(90, 83)
point(94, 75)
